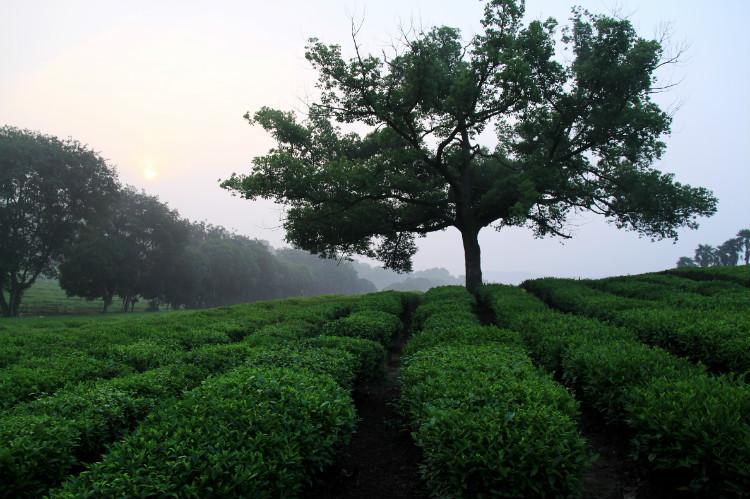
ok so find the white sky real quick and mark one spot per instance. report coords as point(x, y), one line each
point(160, 87)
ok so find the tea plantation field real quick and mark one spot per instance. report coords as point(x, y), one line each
point(261, 400)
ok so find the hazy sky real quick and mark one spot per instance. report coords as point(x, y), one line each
point(160, 87)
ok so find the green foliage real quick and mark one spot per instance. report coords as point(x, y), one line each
point(740, 275)
point(576, 132)
point(50, 189)
point(371, 355)
point(385, 301)
point(145, 355)
point(489, 423)
point(255, 432)
point(368, 324)
point(458, 334)
point(706, 444)
point(713, 330)
point(685, 425)
point(29, 380)
point(73, 427)
point(487, 420)
point(67, 430)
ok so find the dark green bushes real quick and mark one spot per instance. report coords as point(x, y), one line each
point(489, 423)
point(31, 379)
point(368, 324)
point(255, 432)
point(691, 428)
point(370, 355)
point(44, 440)
point(719, 338)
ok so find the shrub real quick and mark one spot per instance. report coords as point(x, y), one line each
point(74, 426)
point(385, 301)
point(371, 355)
point(459, 335)
point(369, 325)
point(255, 432)
point(144, 355)
point(490, 423)
point(704, 446)
point(34, 378)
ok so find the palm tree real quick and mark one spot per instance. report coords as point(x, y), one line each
point(706, 255)
point(744, 237)
point(729, 251)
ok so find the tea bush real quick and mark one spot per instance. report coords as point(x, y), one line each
point(689, 427)
point(254, 432)
point(369, 325)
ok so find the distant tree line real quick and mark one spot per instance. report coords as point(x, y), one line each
point(64, 214)
point(731, 252)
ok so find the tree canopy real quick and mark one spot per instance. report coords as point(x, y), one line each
point(49, 190)
point(574, 132)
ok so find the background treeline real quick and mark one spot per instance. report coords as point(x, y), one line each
point(144, 250)
point(64, 214)
point(733, 251)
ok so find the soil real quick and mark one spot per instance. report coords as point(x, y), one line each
point(613, 475)
point(382, 460)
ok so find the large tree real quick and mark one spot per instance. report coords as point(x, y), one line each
point(575, 132)
point(49, 190)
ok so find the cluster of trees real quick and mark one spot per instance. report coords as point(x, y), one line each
point(730, 252)
point(63, 213)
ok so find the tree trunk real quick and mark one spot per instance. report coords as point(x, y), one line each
point(4, 308)
point(14, 301)
point(472, 260)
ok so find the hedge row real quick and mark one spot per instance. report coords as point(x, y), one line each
point(723, 296)
point(35, 339)
point(262, 431)
point(255, 432)
point(112, 353)
point(739, 274)
point(46, 439)
point(720, 339)
point(372, 325)
point(489, 423)
point(691, 428)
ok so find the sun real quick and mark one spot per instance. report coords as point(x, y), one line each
point(149, 173)
point(148, 169)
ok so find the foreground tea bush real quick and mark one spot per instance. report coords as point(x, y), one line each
point(489, 423)
point(63, 432)
point(689, 427)
point(44, 440)
point(255, 432)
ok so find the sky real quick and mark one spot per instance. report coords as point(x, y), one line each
point(159, 88)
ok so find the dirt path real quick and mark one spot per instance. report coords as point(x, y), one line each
point(382, 460)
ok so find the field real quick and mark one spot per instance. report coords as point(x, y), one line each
point(45, 297)
point(558, 388)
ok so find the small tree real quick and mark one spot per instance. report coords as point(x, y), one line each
point(744, 237)
point(685, 262)
point(49, 190)
point(576, 136)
